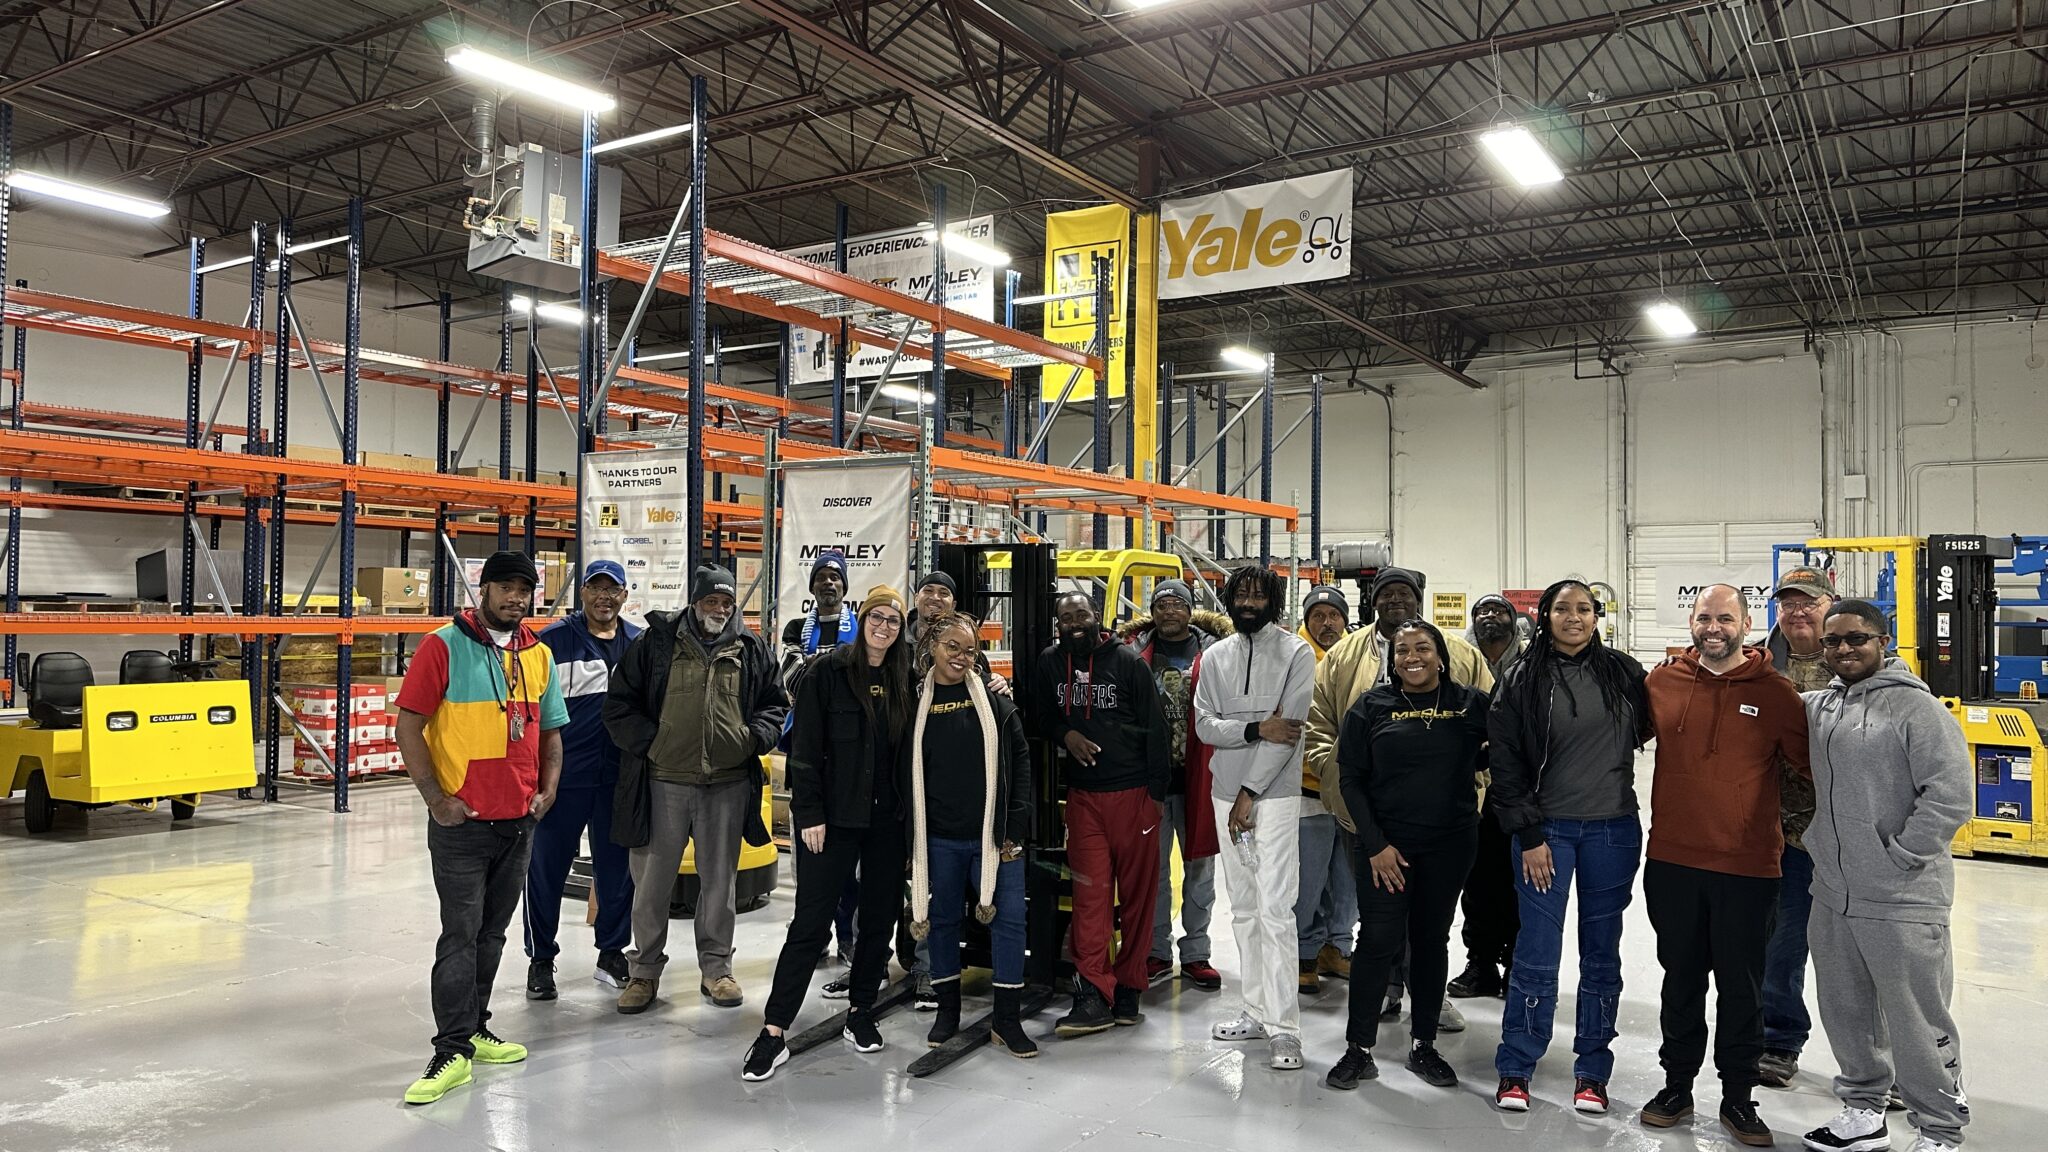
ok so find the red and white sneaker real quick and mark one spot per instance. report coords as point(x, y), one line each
point(1590, 1097)
point(1512, 1095)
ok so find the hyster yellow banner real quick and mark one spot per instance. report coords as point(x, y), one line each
point(1073, 242)
point(1286, 232)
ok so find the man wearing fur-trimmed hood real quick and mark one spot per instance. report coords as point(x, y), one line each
point(1171, 642)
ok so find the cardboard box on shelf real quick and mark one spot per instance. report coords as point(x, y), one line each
point(394, 587)
point(319, 700)
point(324, 731)
point(748, 573)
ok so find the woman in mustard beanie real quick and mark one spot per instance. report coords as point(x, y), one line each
point(852, 716)
point(969, 793)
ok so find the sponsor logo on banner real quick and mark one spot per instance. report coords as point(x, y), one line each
point(637, 541)
point(1679, 587)
point(862, 512)
point(1073, 242)
point(660, 515)
point(899, 260)
point(1286, 232)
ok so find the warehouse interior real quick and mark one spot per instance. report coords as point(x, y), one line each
point(1841, 205)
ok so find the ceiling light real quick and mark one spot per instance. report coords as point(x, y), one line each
point(1519, 154)
point(1239, 356)
point(642, 138)
point(908, 395)
point(973, 249)
point(86, 194)
point(512, 77)
point(559, 313)
point(1669, 319)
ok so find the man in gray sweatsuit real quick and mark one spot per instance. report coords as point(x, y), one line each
point(1891, 775)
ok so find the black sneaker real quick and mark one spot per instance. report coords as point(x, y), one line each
point(1590, 1096)
point(768, 1053)
point(1476, 980)
point(861, 1032)
point(1777, 1067)
point(611, 968)
point(1425, 1061)
point(1125, 1010)
point(540, 980)
point(1740, 1119)
point(1667, 1108)
point(1356, 1065)
point(838, 989)
point(925, 999)
point(1392, 1011)
point(1090, 1015)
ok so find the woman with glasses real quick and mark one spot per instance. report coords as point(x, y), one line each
point(969, 792)
point(852, 715)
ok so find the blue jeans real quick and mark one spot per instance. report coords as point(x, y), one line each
point(955, 874)
point(1602, 856)
point(1787, 1023)
point(1326, 908)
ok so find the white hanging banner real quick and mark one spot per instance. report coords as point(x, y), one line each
point(1679, 587)
point(1286, 232)
point(861, 510)
point(635, 506)
point(902, 260)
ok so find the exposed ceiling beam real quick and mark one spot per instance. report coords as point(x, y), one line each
point(166, 28)
point(1374, 332)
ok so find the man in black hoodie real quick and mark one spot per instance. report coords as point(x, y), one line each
point(1099, 705)
point(693, 707)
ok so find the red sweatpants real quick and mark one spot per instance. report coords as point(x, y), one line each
point(1113, 853)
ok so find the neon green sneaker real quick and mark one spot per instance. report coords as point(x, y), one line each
point(446, 1072)
point(491, 1050)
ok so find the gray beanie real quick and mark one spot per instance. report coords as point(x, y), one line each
point(1327, 594)
point(1173, 588)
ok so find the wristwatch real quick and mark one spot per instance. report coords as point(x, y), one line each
point(1251, 732)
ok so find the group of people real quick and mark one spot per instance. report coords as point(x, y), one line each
point(1793, 808)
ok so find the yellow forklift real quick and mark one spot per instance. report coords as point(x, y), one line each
point(1945, 597)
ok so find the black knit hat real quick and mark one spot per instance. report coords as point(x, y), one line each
point(509, 566)
point(1391, 575)
point(942, 580)
point(711, 580)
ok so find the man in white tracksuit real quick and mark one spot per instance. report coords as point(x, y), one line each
point(1250, 708)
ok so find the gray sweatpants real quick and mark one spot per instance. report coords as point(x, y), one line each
point(1884, 989)
point(712, 817)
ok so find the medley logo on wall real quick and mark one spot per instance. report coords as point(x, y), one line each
point(1073, 242)
point(863, 511)
point(1286, 232)
point(637, 502)
point(899, 260)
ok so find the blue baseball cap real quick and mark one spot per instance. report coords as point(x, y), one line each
point(611, 568)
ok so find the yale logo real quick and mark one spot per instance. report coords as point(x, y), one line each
point(1211, 247)
point(659, 515)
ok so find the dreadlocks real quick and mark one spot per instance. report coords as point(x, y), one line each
point(1529, 681)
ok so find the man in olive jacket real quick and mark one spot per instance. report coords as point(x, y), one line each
point(693, 706)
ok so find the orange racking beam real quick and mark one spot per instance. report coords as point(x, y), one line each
point(175, 507)
point(210, 624)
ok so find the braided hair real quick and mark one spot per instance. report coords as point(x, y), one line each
point(929, 633)
point(1529, 681)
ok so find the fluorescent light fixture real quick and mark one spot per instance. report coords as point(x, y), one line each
point(908, 395)
point(729, 349)
point(1048, 299)
point(973, 249)
point(1669, 319)
point(88, 195)
point(1239, 356)
point(1519, 154)
point(511, 77)
point(642, 138)
point(559, 313)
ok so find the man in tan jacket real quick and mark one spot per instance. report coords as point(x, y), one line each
point(1350, 670)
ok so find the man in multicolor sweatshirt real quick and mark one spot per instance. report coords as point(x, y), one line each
point(479, 725)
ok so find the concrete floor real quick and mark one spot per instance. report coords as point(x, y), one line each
point(257, 979)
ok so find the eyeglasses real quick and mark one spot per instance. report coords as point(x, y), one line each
point(1852, 639)
point(613, 593)
point(1798, 607)
point(884, 620)
point(953, 647)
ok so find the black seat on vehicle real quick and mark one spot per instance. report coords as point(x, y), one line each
point(56, 689)
point(147, 666)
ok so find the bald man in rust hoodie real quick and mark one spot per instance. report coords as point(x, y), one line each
point(1725, 720)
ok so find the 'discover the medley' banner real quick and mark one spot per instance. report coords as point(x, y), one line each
point(863, 511)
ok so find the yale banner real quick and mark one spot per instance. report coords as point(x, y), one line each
point(863, 511)
point(902, 260)
point(1286, 232)
point(1073, 241)
point(635, 505)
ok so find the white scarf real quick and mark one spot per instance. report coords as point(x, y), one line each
point(991, 859)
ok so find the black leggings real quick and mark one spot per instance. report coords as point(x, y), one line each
point(1417, 918)
point(877, 852)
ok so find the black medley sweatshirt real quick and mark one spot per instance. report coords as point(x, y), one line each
point(1109, 696)
point(1407, 764)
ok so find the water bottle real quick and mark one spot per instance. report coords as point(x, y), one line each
point(1245, 850)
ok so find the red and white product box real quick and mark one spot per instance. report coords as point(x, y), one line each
point(362, 762)
point(313, 700)
point(323, 730)
point(368, 699)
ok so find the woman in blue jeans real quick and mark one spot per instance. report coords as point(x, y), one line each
point(969, 782)
point(1565, 727)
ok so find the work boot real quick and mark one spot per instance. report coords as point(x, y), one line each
point(1091, 1013)
point(723, 992)
point(1006, 1029)
point(947, 1022)
point(1330, 962)
point(637, 995)
point(1777, 1068)
point(1476, 980)
point(1310, 985)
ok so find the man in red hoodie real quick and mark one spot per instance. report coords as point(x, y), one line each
point(1725, 720)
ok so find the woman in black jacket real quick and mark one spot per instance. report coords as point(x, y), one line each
point(968, 784)
point(1565, 728)
point(852, 717)
point(1408, 763)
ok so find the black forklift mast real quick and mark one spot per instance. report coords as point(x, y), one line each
point(1958, 611)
